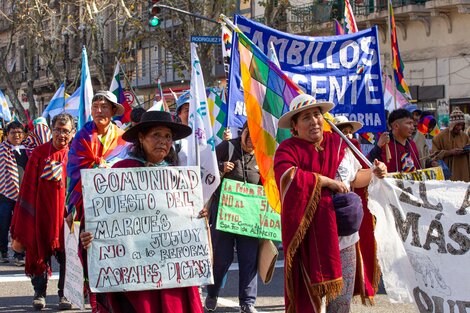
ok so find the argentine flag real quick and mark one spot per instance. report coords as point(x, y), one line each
point(57, 103)
point(86, 92)
point(72, 103)
point(5, 113)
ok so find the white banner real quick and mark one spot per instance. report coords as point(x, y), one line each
point(202, 136)
point(73, 288)
point(145, 226)
point(422, 234)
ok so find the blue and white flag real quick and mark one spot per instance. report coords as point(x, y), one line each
point(5, 113)
point(57, 103)
point(72, 103)
point(202, 136)
point(343, 69)
point(86, 92)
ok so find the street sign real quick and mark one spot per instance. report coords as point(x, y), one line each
point(206, 39)
point(129, 97)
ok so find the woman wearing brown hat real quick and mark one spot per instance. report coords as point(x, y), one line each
point(310, 167)
point(152, 145)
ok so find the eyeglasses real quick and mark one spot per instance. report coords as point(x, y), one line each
point(60, 131)
point(17, 133)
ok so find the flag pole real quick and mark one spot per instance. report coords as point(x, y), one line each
point(350, 144)
point(129, 84)
point(389, 24)
point(388, 155)
point(65, 88)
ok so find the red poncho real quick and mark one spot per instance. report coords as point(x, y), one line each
point(309, 234)
point(181, 300)
point(38, 218)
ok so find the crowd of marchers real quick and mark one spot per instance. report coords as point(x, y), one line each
point(318, 173)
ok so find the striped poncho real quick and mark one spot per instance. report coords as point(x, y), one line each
point(88, 151)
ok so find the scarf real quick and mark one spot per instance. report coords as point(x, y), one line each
point(39, 136)
point(10, 180)
point(87, 151)
point(309, 235)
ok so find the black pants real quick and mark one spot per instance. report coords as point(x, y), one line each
point(40, 281)
point(223, 244)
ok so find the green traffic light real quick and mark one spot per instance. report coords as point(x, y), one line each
point(154, 21)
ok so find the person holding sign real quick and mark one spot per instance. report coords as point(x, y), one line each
point(97, 145)
point(152, 145)
point(38, 219)
point(320, 247)
point(367, 245)
point(237, 162)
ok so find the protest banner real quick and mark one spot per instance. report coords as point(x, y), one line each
point(344, 70)
point(244, 210)
point(422, 232)
point(435, 173)
point(73, 287)
point(145, 226)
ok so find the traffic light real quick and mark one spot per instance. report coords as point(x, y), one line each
point(154, 21)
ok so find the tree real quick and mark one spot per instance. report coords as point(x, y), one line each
point(275, 13)
point(51, 34)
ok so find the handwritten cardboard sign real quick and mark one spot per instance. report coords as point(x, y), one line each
point(73, 287)
point(244, 210)
point(146, 231)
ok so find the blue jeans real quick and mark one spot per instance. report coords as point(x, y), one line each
point(6, 212)
point(40, 281)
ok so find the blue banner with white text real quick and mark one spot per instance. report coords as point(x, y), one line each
point(342, 69)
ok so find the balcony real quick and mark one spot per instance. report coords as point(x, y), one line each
point(463, 6)
point(308, 18)
point(305, 18)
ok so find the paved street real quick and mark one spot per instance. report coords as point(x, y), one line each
point(16, 294)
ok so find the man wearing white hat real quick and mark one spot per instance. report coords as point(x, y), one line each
point(97, 144)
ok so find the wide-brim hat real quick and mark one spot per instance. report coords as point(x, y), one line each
point(343, 120)
point(111, 97)
point(301, 103)
point(154, 119)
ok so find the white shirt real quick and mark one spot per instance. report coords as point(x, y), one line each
point(346, 173)
point(183, 153)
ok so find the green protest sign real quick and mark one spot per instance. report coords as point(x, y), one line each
point(244, 210)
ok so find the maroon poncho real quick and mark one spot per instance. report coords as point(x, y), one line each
point(309, 234)
point(38, 218)
point(181, 300)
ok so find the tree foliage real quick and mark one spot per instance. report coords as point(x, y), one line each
point(45, 38)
